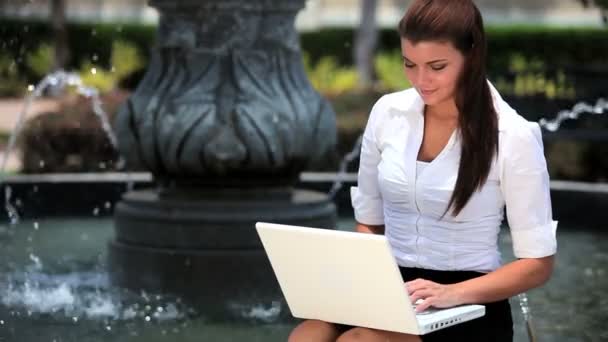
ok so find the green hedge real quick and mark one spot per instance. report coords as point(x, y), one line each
point(85, 40)
point(556, 46)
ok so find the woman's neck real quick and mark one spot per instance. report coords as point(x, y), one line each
point(446, 111)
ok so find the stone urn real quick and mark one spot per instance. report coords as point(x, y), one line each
point(225, 119)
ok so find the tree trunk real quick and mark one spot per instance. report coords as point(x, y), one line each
point(365, 42)
point(60, 33)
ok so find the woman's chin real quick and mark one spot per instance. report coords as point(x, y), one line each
point(433, 99)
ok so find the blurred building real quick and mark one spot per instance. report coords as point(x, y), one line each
point(84, 10)
point(321, 13)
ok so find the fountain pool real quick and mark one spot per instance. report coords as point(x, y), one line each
point(54, 287)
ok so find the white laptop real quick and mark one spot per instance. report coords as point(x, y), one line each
point(349, 278)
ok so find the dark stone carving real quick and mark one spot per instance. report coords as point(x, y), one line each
point(226, 96)
point(225, 119)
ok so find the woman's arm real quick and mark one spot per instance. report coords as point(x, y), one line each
point(366, 228)
point(509, 280)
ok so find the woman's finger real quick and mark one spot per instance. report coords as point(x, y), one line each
point(417, 284)
point(421, 294)
point(426, 303)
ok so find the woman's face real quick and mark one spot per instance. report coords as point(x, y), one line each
point(433, 68)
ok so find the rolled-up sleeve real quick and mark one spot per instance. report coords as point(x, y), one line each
point(526, 189)
point(365, 197)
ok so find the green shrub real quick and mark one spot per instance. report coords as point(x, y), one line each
point(11, 84)
point(85, 40)
point(532, 79)
point(40, 62)
point(390, 71)
point(327, 77)
point(556, 46)
point(124, 61)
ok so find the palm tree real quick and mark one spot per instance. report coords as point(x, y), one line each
point(60, 32)
point(365, 42)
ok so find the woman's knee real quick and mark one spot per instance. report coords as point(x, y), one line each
point(372, 335)
point(314, 330)
point(356, 334)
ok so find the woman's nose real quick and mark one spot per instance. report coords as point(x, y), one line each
point(422, 78)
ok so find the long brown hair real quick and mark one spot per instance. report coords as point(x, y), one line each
point(459, 22)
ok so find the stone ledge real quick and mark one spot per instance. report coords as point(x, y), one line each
point(87, 194)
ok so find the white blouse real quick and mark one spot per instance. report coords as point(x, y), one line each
point(392, 190)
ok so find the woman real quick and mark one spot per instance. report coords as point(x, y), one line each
point(439, 163)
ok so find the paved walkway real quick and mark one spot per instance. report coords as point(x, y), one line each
point(10, 108)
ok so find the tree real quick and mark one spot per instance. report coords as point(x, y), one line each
point(365, 42)
point(60, 33)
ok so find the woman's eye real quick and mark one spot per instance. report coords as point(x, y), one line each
point(438, 67)
point(407, 65)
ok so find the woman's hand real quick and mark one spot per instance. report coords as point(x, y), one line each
point(433, 294)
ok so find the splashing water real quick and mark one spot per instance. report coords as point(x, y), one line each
point(600, 107)
point(83, 295)
point(258, 312)
point(13, 214)
point(58, 80)
point(343, 165)
point(73, 287)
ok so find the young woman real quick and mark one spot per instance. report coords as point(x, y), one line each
point(439, 163)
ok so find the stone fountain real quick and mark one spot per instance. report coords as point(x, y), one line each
point(225, 119)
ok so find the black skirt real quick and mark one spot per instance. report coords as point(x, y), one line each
point(495, 326)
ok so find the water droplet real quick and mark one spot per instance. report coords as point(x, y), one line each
point(36, 226)
point(41, 164)
point(107, 205)
point(31, 87)
point(159, 309)
point(94, 71)
point(147, 318)
point(96, 211)
point(95, 57)
point(1, 322)
point(108, 328)
point(102, 165)
point(75, 319)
